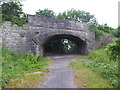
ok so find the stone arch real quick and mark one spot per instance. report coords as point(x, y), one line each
point(81, 45)
point(42, 39)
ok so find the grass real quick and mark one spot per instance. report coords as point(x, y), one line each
point(16, 66)
point(28, 81)
point(96, 67)
point(86, 78)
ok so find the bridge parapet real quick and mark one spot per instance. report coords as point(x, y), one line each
point(42, 21)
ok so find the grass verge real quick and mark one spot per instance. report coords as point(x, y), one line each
point(97, 67)
point(15, 66)
point(28, 81)
point(86, 78)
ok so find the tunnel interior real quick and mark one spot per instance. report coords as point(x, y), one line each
point(64, 44)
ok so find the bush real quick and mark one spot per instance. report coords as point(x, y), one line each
point(100, 30)
point(98, 33)
point(19, 21)
point(114, 50)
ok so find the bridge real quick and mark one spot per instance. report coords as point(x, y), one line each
point(40, 30)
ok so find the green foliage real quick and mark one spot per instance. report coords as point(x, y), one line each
point(100, 63)
point(12, 11)
point(53, 44)
point(118, 33)
point(77, 15)
point(105, 28)
point(15, 66)
point(98, 33)
point(61, 46)
point(114, 50)
point(74, 15)
point(85, 76)
point(45, 12)
point(100, 30)
point(19, 21)
point(9, 0)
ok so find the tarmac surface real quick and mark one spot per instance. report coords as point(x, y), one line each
point(60, 75)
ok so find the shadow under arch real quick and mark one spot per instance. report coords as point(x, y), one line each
point(81, 45)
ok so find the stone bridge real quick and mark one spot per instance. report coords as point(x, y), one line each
point(40, 30)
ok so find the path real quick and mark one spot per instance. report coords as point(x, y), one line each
point(60, 76)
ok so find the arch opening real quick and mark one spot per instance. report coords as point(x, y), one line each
point(64, 44)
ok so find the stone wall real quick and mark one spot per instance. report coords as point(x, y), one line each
point(104, 39)
point(12, 36)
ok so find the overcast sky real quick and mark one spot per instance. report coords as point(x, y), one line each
point(106, 11)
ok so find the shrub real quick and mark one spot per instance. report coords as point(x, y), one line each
point(19, 21)
point(98, 33)
point(114, 50)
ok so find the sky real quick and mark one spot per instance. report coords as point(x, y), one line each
point(105, 11)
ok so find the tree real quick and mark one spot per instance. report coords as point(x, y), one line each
point(6, 1)
point(77, 15)
point(45, 12)
point(73, 15)
point(12, 11)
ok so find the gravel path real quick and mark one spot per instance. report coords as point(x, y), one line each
point(60, 76)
